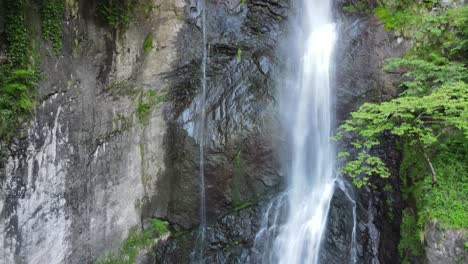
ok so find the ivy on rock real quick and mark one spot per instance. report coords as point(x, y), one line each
point(51, 12)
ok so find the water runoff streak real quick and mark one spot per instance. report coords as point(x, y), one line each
point(309, 117)
point(198, 253)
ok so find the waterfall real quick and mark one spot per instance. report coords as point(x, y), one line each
point(308, 121)
point(198, 253)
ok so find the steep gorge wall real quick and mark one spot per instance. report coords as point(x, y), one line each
point(92, 163)
point(77, 180)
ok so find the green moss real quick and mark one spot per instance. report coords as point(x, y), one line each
point(148, 44)
point(143, 112)
point(135, 242)
point(160, 226)
point(237, 178)
point(17, 94)
point(357, 7)
point(118, 14)
point(51, 11)
point(17, 33)
point(239, 55)
point(350, 9)
point(242, 206)
point(411, 236)
point(18, 79)
point(147, 103)
point(122, 88)
point(394, 18)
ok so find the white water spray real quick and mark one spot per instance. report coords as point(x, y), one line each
point(310, 120)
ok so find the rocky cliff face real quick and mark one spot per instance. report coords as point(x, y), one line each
point(113, 140)
point(80, 174)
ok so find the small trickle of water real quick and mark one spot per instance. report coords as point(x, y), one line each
point(198, 253)
point(347, 189)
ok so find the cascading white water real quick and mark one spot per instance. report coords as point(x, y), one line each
point(309, 119)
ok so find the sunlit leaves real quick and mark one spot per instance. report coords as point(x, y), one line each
point(420, 119)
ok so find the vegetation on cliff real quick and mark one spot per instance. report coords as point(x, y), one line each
point(51, 16)
point(135, 242)
point(118, 14)
point(429, 118)
point(18, 74)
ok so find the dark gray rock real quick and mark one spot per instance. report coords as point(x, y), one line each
point(337, 245)
point(445, 246)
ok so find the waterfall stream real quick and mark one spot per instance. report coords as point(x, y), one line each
point(198, 253)
point(308, 121)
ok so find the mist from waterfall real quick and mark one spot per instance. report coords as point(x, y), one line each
point(308, 120)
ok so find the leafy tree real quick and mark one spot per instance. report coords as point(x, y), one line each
point(434, 100)
point(420, 120)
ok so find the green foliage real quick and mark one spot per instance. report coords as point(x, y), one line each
point(136, 242)
point(424, 75)
point(411, 236)
point(242, 206)
point(17, 80)
point(16, 97)
point(143, 112)
point(394, 18)
point(434, 101)
point(357, 7)
point(51, 11)
point(159, 226)
point(239, 55)
point(147, 102)
point(236, 179)
point(421, 120)
point(350, 9)
point(439, 31)
point(118, 14)
point(148, 44)
point(444, 202)
point(16, 32)
point(444, 33)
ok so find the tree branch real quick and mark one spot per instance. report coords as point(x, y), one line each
point(434, 174)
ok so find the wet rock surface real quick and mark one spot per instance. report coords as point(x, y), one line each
point(229, 239)
point(445, 246)
point(361, 50)
point(88, 168)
